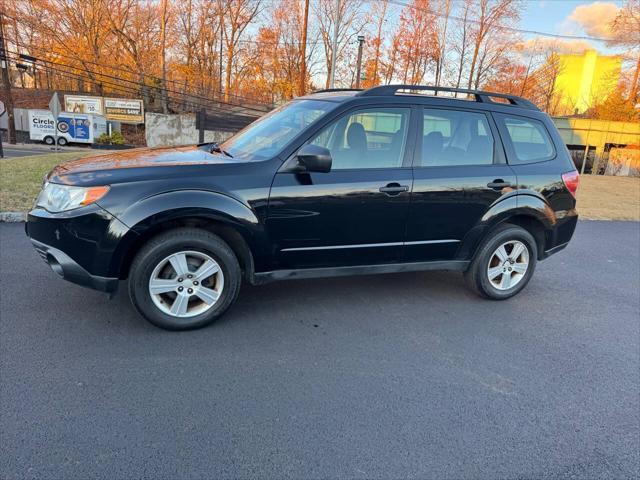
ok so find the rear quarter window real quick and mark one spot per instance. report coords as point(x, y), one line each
point(528, 139)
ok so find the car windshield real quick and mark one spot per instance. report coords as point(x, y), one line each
point(267, 136)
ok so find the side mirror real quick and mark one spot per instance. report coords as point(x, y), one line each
point(313, 158)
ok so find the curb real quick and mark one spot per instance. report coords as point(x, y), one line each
point(13, 217)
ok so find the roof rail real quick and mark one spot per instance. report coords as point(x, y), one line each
point(325, 90)
point(479, 95)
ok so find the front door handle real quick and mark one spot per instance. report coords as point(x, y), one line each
point(394, 189)
point(498, 184)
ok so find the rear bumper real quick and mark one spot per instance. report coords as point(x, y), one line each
point(67, 268)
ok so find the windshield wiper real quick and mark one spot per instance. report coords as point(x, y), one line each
point(216, 148)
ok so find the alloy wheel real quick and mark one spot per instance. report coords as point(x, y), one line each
point(508, 265)
point(186, 284)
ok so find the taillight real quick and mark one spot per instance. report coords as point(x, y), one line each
point(571, 181)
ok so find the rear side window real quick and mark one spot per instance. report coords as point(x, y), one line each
point(529, 140)
point(454, 137)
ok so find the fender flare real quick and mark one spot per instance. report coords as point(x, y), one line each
point(521, 205)
point(142, 216)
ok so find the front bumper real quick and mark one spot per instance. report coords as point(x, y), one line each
point(67, 268)
point(81, 245)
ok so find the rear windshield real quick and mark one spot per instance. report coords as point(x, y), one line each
point(529, 139)
point(267, 136)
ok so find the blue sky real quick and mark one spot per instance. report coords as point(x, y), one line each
point(554, 16)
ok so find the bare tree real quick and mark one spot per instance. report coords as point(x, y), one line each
point(352, 22)
point(626, 32)
point(492, 15)
point(238, 15)
point(462, 40)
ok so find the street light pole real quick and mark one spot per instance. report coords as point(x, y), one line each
point(358, 69)
point(334, 47)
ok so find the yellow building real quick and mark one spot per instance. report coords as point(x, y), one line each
point(584, 79)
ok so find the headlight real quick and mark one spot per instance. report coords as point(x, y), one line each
point(59, 198)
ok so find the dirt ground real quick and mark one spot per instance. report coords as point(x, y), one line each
point(609, 198)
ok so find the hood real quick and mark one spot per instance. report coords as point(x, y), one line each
point(131, 165)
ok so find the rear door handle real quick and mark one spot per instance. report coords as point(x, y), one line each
point(498, 184)
point(394, 189)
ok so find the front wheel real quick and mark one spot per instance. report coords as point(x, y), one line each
point(184, 279)
point(503, 264)
point(48, 140)
point(62, 141)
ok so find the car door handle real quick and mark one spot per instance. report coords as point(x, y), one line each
point(498, 184)
point(394, 189)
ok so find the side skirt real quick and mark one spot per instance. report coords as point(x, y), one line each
point(293, 274)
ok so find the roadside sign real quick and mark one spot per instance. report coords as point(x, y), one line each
point(124, 110)
point(83, 104)
point(54, 106)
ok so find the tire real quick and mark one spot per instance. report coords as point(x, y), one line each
point(48, 140)
point(158, 260)
point(506, 277)
point(62, 141)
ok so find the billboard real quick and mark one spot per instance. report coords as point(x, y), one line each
point(124, 110)
point(82, 104)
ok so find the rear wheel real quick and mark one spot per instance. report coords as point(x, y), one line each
point(184, 279)
point(48, 140)
point(62, 141)
point(503, 264)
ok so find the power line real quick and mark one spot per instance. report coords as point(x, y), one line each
point(210, 103)
point(120, 69)
point(139, 85)
point(506, 28)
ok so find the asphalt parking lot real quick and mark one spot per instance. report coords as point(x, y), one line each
point(392, 376)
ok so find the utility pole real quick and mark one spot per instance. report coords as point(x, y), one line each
point(220, 56)
point(334, 47)
point(163, 41)
point(6, 85)
point(303, 51)
point(360, 42)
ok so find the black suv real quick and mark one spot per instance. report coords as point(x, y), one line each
point(342, 182)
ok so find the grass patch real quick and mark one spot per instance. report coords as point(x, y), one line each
point(599, 197)
point(21, 178)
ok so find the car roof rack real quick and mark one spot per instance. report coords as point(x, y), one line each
point(480, 96)
point(325, 90)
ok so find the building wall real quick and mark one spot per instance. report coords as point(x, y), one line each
point(585, 79)
point(176, 130)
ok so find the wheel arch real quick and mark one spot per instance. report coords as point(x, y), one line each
point(224, 216)
point(526, 211)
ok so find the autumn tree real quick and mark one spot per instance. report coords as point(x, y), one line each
point(625, 31)
point(616, 106)
point(374, 45)
point(416, 41)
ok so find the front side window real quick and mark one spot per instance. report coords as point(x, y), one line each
point(529, 139)
point(266, 137)
point(452, 137)
point(371, 138)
